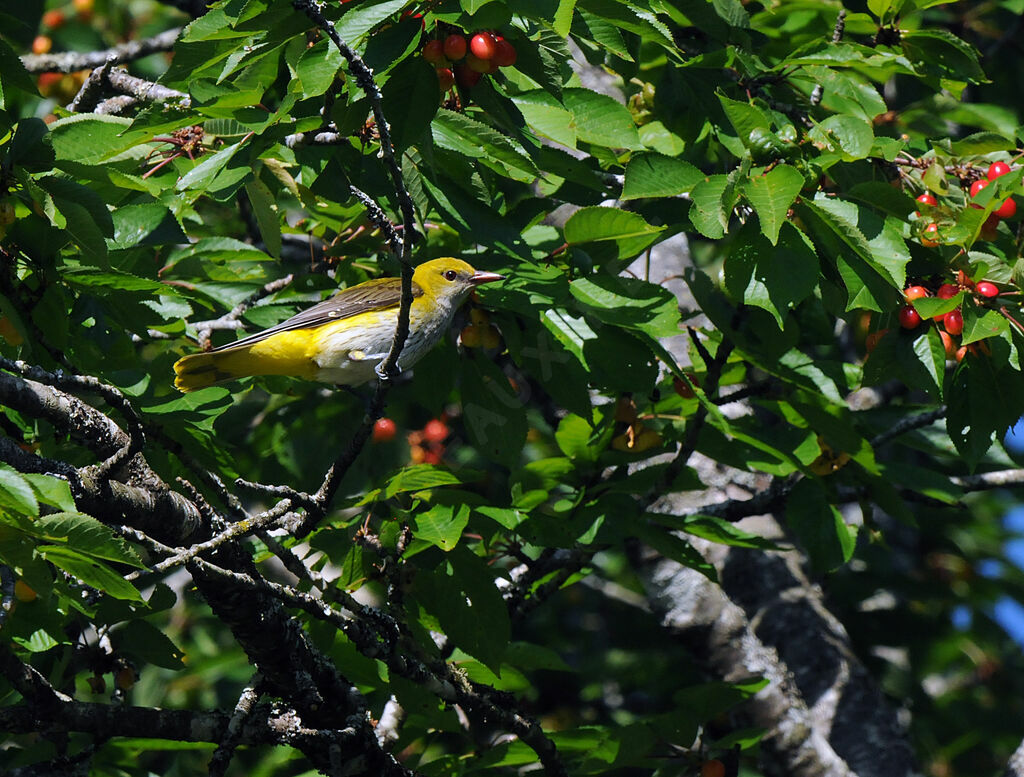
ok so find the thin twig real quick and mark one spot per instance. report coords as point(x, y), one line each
point(909, 424)
point(230, 320)
point(184, 555)
point(388, 369)
point(379, 220)
point(221, 758)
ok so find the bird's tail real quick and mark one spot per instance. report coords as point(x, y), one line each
point(286, 353)
point(200, 370)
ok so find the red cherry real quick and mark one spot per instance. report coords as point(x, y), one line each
point(914, 292)
point(435, 431)
point(909, 318)
point(465, 77)
point(929, 238)
point(505, 53)
point(928, 199)
point(433, 52)
point(477, 65)
point(384, 429)
point(947, 344)
point(989, 230)
point(987, 289)
point(483, 45)
point(53, 19)
point(997, 169)
point(455, 47)
point(947, 291)
point(446, 78)
point(1007, 209)
point(976, 187)
point(954, 322)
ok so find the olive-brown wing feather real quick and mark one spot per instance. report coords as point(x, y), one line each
point(371, 295)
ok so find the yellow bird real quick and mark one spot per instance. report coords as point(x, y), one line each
point(343, 339)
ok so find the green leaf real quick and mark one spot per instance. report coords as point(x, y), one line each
point(563, 17)
point(418, 478)
point(80, 225)
point(30, 147)
point(90, 571)
point(495, 416)
point(983, 399)
point(51, 491)
point(672, 546)
point(771, 195)
point(16, 493)
point(575, 438)
point(981, 327)
point(90, 278)
point(458, 132)
point(13, 76)
point(982, 143)
point(745, 118)
point(317, 68)
point(600, 120)
point(148, 644)
point(629, 302)
point(412, 92)
point(462, 599)
point(86, 535)
point(546, 116)
point(939, 53)
point(714, 529)
point(733, 12)
point(90, 138)
point(712, 205)
point(655, 175)
point(442, 525)
point(360, 18)
point(776, 278)
point(201, 177)
point(264, 207)
point(147, 224)
point(629, 231)
point(572, 332)
point(819, 526)
point(851, 136)
point(39, 641)
point(487, 607)
point(878, 241)
point(899, 355)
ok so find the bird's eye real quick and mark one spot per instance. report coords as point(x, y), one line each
point(450, 275)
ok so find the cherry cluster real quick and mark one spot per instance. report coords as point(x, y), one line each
point(951, 323)
point(426, 445)
point(465, 62)
point(1006, 210)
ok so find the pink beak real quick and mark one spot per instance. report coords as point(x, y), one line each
point(485, 277)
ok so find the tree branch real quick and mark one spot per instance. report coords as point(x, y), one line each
point(71, 61)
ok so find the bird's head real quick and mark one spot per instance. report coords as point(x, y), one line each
point(450, 280)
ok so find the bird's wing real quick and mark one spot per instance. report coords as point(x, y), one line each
point(371, 295)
